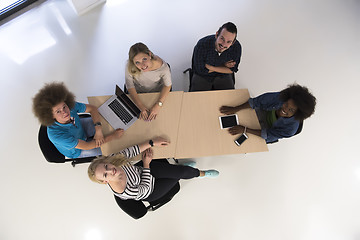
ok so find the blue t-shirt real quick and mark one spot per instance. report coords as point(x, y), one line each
point(65, 137)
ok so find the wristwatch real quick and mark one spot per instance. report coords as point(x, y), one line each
point(97, 124)
point(151, 142)
point(160, 103)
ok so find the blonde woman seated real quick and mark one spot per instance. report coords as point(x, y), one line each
point(150, 182)
point(145, 73)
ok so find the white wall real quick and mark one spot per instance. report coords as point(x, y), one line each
point(304, 188)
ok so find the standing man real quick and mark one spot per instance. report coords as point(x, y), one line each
point(215, 59)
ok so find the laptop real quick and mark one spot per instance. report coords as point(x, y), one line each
point(119, 111)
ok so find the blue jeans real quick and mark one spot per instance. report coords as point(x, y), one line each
point(89, 130)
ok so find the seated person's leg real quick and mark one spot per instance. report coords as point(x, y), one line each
point(162, 186)
point(166, 170)
point(90, 153)
point(89, 129)
point(199, 83)
point(88, 126)
point(224, 82)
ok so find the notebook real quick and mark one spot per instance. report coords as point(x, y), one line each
point(119, 111)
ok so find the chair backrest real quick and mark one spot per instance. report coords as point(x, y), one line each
point(137, 209)
point(52, 154)
point(165, 199)
point(48, 149)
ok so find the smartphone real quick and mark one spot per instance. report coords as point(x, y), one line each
point(228, 121)
point(241, 139)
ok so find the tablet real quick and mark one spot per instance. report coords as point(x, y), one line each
point(228, 121)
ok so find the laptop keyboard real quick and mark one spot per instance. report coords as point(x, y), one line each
point(120, 111)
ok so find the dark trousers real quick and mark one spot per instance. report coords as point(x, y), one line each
point(199, 83)
point(167, 175)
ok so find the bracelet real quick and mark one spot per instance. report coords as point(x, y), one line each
point(97, 124)
point(151, 143)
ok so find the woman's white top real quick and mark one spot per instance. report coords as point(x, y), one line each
point(151, 81)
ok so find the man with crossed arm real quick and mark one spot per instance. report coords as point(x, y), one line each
point(215, 59)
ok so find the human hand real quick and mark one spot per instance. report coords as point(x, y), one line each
point(209, 67)
point(236, 129)
point(144, 114)
point(230, 64)
point(227, 110)
point(147, 157)
point(154, 112)
point(118, 133)
point(160, 142)
point(99, 138)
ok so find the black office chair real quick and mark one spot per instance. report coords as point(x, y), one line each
point(137, 209)
point(297, 132)
point(191, 73)
point(51, 153)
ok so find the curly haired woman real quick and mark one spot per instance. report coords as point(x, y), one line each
point(279, 113)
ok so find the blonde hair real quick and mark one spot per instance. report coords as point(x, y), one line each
point(135, 50)
point(116, 159)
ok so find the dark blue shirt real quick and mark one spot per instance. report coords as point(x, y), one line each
point(283, 127)
point(205, 53)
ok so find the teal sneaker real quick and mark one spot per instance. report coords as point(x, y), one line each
point(211, 173)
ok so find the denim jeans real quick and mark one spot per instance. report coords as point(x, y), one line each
point(89, 129)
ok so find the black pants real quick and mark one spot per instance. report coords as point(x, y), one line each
point(199, 83)
point(167, 175)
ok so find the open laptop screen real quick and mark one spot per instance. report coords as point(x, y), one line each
point(127, 101)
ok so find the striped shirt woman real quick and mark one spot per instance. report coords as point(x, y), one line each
point(139, 181)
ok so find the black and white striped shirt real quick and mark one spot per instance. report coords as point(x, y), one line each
point(139, 181)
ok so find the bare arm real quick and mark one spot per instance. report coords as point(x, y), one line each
point(164, 93)
point(221, 69)
point(231, 110)
point(92, 144)
point(147, 157)
point(99, 136)
point(135, 97)
point(239, 129)
point(95, 115)
point(156, 108)
point(158, 142)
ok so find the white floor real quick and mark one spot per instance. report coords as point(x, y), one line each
point(304, 188)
